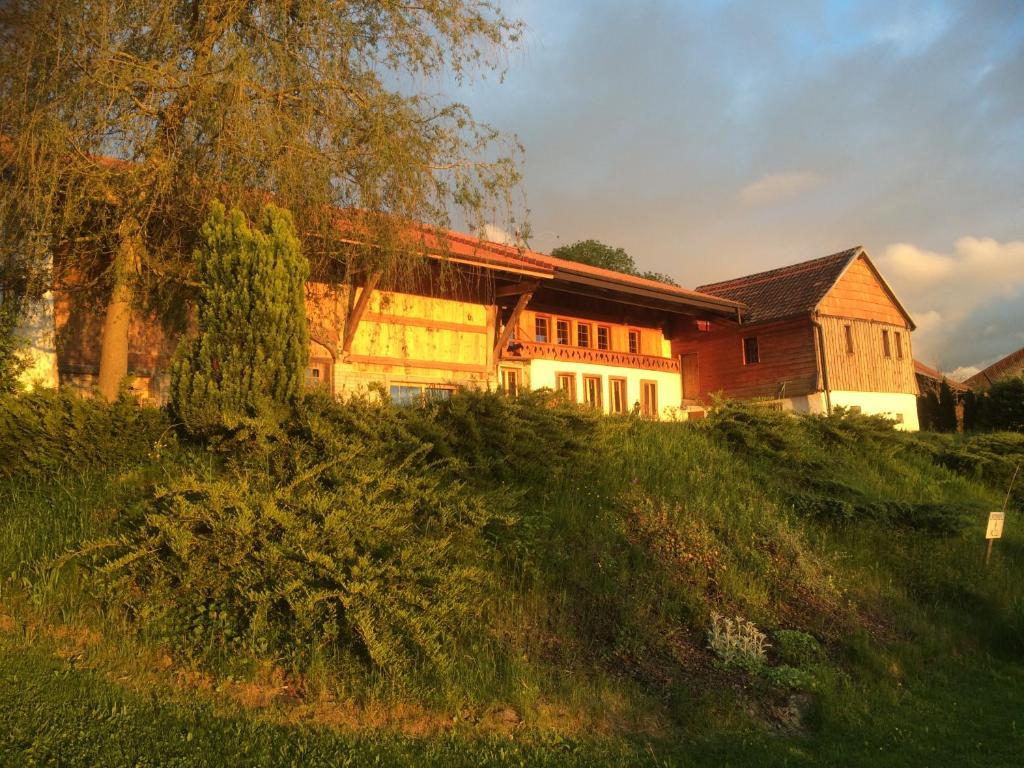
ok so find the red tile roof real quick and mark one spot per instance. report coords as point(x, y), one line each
point(1011, 365)
point(463, 247)
point(786, 291)
point(928, 371)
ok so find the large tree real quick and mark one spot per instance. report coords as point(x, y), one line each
point(120, 121)
point(597, 254)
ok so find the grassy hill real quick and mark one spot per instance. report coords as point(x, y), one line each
point(504, 582)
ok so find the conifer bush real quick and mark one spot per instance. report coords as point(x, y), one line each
point(349, 555)
point(47, 431)
point(245, 369)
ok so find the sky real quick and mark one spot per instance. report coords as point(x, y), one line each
point(711, 139)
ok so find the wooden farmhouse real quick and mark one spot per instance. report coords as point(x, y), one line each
point(477, 314)
point(808, 337)
point(814, 336)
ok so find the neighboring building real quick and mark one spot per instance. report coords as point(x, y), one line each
point(930, 379)
point(1011, 365)
point(816, 335)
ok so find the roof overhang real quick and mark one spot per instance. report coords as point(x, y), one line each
point(649, 295)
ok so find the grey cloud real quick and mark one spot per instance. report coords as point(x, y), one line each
point(642, 122)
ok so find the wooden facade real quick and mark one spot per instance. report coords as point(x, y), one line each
point(869, 367)
point(787, 364)
point(498, 317)
point(844, 340)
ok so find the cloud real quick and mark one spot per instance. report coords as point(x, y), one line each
point(777, 187)
point(497, 234)
point(962, 373)
point(967, 303)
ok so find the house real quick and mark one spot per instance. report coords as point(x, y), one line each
point(814, 336)
point(476, 314)
point(1011, 365)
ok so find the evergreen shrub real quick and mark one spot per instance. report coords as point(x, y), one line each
point(245, 369)
point(349, 539)
point(47, 431)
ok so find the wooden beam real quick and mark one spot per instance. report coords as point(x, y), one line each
point(513, 321)
point(526, 286)
point(356, 315)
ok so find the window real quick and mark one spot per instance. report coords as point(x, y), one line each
point(541, 330)
point(899, 345)
point(751, 354)
point(886, 349)
point(437, 394)
point(417, 394)
point(566, 382)
point(603, 335)
point(582, 334)
point(592, 391)
point(691, 383)
point(649, 399)
point(703, 326)
point(510, 381)
point(318, 374)
point(634, 342)
point(848, 330)
point(403, 394)
point(562, 329)
point(617, 401)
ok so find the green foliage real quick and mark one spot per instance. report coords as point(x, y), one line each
point(350, 544)
point(567, 562)
point(928, 409)
point(785, 676)
point(945, 415)
point(597, 254)
point(48, 432)
point(1002, 407)
point(533, 439)
point(819, 465)
point(796, 649)
point(12, 363)
point(245, 369)
point(991, 458)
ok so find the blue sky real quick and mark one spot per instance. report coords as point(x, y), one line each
point(711, 139)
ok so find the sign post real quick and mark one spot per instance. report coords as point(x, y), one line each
point(995, 520)
point(993, 532)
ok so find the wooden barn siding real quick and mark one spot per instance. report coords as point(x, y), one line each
point(787, 354)
point(859, 295)
point(411, 336)
point(867, 369)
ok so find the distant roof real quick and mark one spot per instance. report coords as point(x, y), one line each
point(1010, 365)
point(794, 290)
point(786, 291)
point(926, 371)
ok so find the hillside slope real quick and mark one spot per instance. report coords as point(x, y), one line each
point(498, 581)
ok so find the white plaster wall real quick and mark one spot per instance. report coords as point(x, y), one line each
point(38, 330)
point(670, 385)
point(891, 404)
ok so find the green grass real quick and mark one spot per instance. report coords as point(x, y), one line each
point(623, 536)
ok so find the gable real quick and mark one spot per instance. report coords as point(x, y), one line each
point(860, 294)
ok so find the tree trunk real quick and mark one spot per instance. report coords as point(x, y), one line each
point(114, 346)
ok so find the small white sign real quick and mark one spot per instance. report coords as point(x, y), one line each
point(995, 525)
